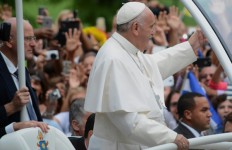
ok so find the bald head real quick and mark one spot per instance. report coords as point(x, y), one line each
point(10, 47)
point(13, 23)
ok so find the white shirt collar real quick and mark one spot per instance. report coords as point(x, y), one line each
point(194, 132)
point(129, 47)
point(9, 64)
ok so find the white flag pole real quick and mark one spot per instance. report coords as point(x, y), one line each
point(20, 50)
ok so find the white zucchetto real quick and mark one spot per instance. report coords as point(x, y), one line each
point(129, 11)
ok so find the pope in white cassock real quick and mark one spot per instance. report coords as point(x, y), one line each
point(125, 88)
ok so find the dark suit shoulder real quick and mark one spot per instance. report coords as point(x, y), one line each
point(181, 129)
point(2, 132)
point(78, 143)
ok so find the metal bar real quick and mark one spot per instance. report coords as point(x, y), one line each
point(20, 50)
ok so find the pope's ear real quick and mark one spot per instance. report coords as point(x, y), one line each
point(135, 28)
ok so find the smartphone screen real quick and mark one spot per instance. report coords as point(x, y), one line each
point(66, 67)
point(47, 22)
point(75, 13)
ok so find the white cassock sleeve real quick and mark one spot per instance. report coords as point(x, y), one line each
point(141, 129)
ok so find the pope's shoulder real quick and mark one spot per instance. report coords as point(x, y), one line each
point(111, 51)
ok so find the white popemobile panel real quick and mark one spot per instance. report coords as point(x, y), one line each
point(35, 139)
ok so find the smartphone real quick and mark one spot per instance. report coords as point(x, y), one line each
point(52, 103)
point(5, 31)
point(203, 62)
point(55, 95)
point(41, 11)
point(66, 67)
point(64, 27)
point(75, 13)
point(47, 22)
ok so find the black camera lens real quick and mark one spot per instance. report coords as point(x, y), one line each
point(53, 56)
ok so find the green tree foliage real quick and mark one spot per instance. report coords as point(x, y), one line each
point(89, 11)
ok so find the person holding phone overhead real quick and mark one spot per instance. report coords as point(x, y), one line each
point(125, 87)
point(43, 18)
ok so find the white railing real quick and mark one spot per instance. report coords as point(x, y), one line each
point(217, 141)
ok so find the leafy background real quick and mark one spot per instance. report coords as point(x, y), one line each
point(88, 10)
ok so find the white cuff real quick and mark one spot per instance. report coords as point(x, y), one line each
point(9, 128)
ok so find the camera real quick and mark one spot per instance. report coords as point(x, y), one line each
point(5, 31)
point(55, 95)
point(202, 62)
point(52, 103)
point(52, 55)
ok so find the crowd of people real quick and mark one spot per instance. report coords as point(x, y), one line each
point(60, 58)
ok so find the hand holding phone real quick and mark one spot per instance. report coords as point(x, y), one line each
point(64, 27)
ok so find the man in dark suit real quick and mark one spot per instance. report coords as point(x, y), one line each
point(81, 124)
point(83, 142)
point(194, 113)
point(12, 99)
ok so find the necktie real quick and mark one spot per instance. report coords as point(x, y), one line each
point(30, 109)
